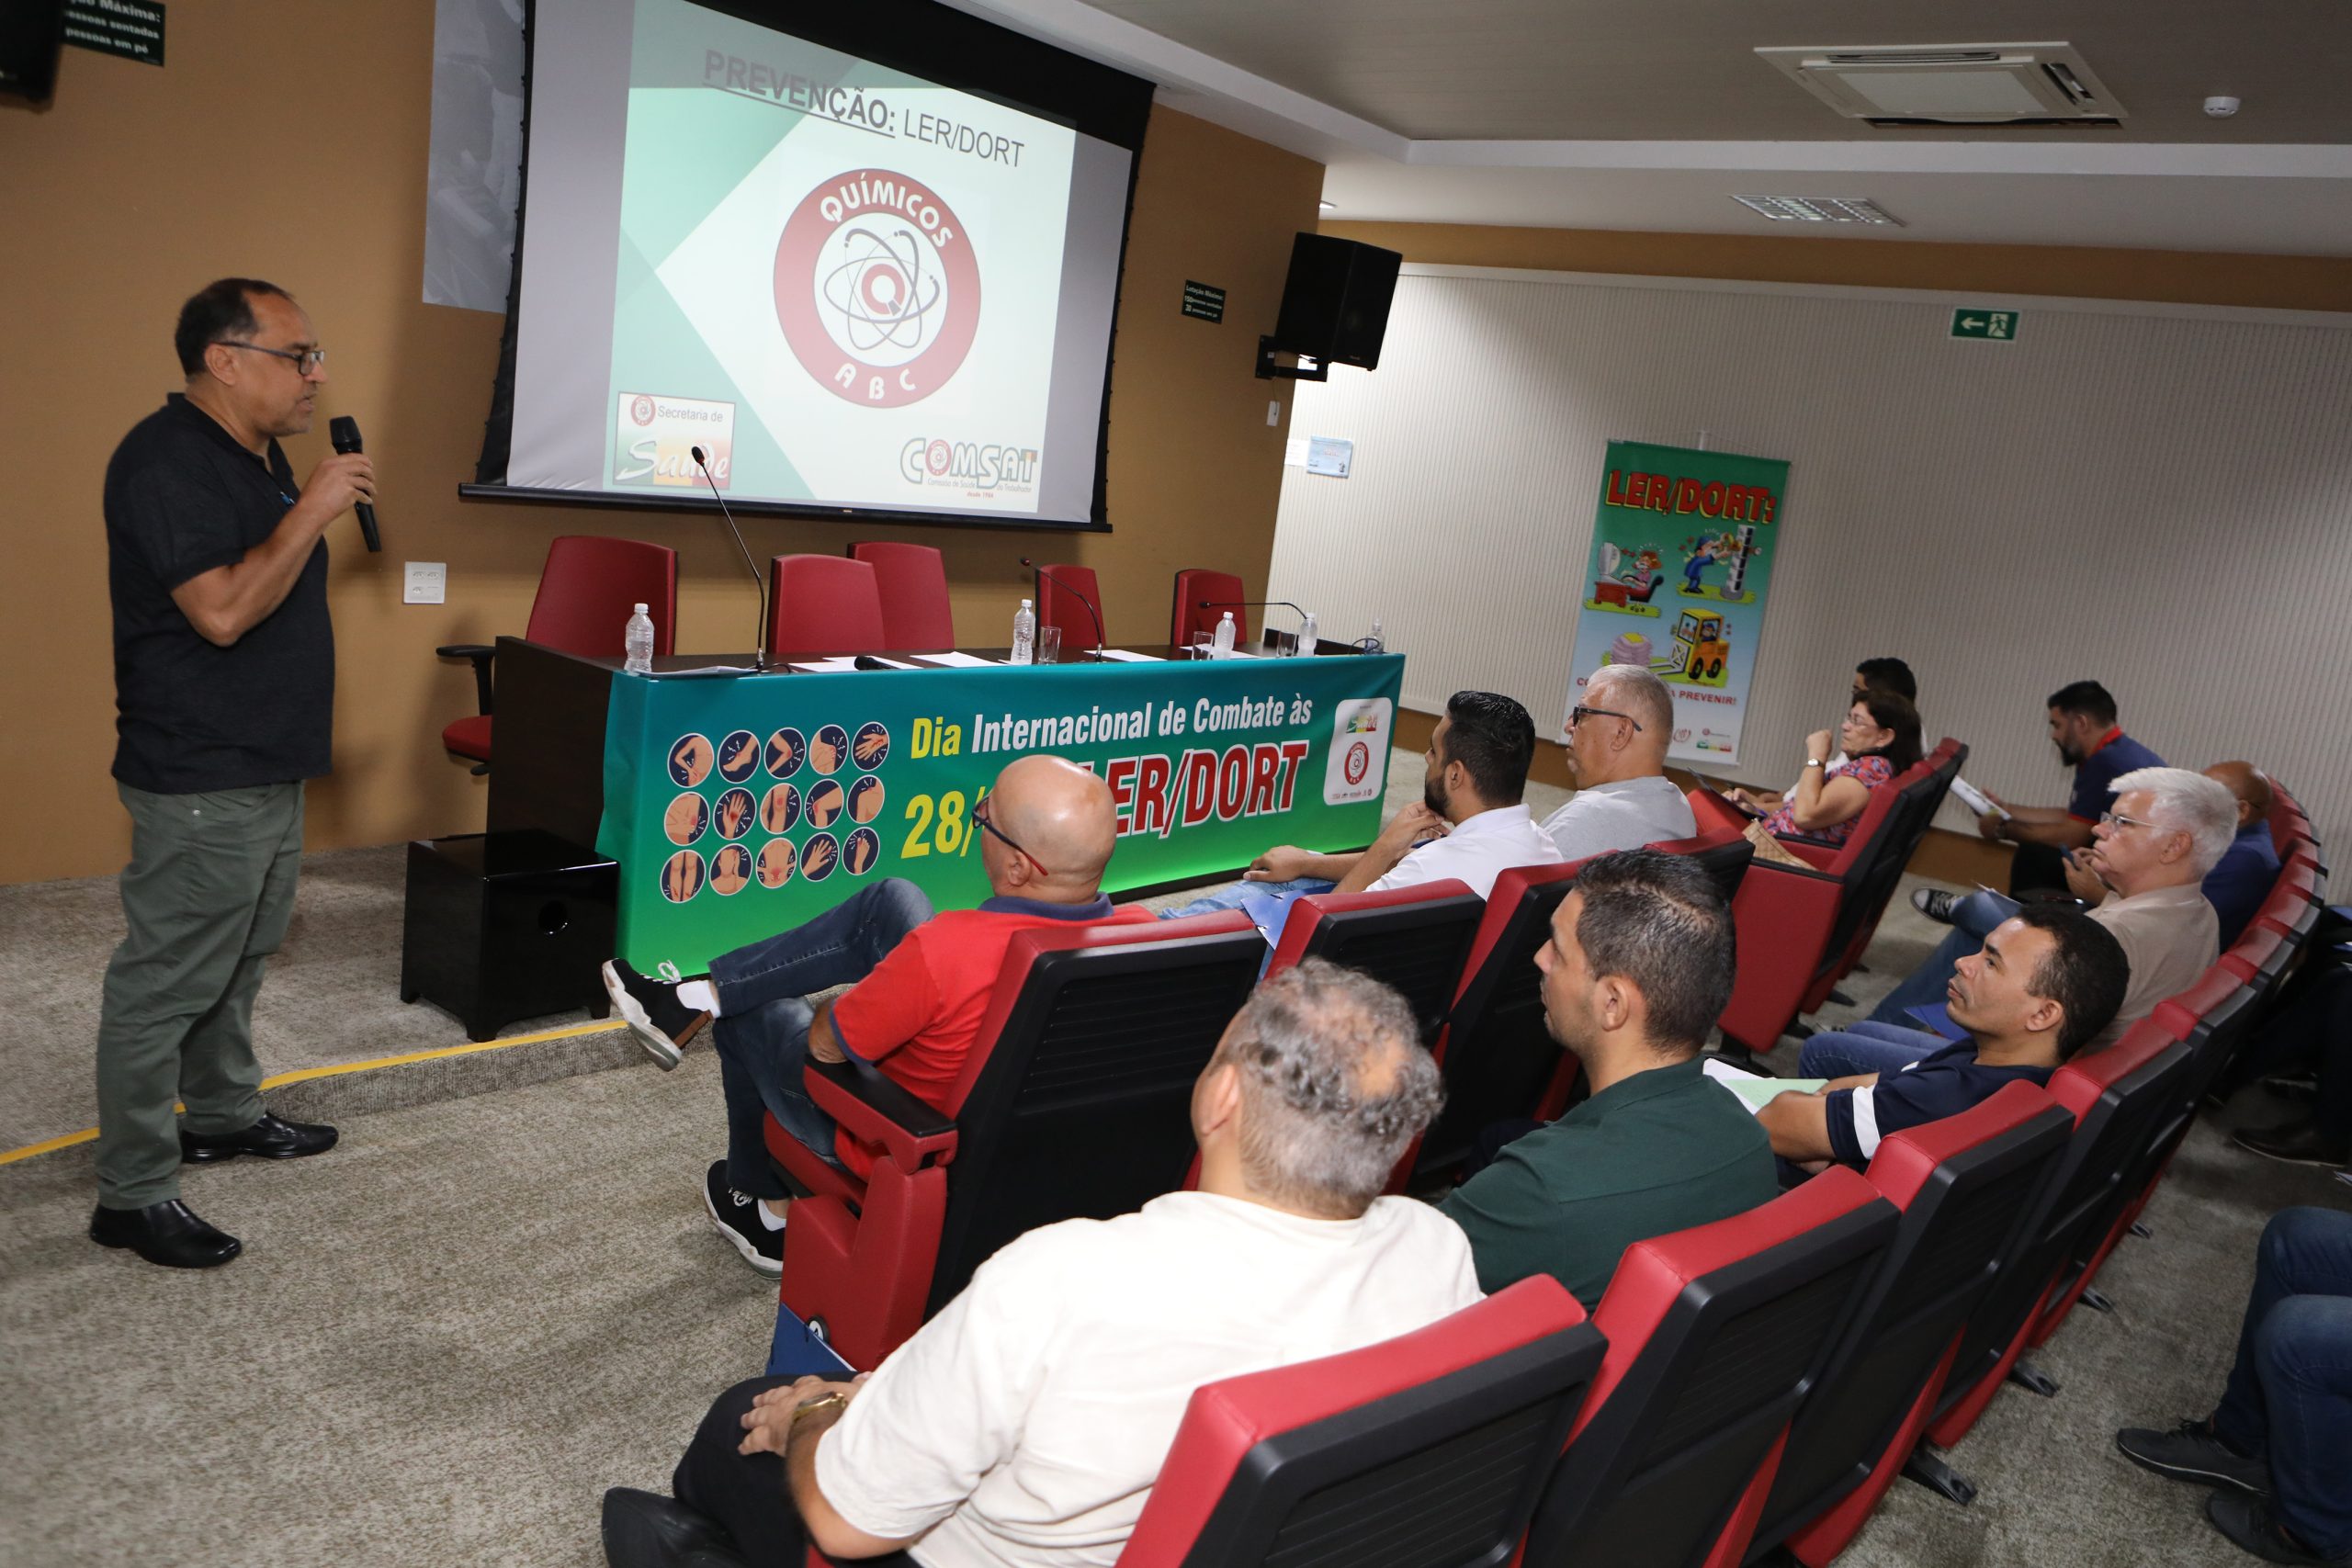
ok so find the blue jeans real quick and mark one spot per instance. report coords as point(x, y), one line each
point(2290, 1395)
point(1232, 897)
point(1972, 920)
point(763, 1027)
point(1865, 1045)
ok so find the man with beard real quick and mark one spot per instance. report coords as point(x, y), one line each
point(1472, 823)
point(1638, 967)
point(2083, 728)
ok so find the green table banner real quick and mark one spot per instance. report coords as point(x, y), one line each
point(740, 806)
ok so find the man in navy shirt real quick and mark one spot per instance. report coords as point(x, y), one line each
point(2047, 980)
point(2083, 728)
point(2241, 879)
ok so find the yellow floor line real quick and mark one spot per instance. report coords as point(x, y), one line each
point(305, 1075)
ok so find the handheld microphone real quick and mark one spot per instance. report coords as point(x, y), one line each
point(1076, 596)
point(344, 431)
point(760, 638)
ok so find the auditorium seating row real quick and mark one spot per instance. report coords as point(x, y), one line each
point(1743, 1388)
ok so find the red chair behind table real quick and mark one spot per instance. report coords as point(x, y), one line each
point(1189, 623)
point(912, 581)
point(1796, 923)
point(1075, 1103)
point(1059, 604)
point(1966, 1185)
point(1414, 938)
point(820, 605)
point(1429, 1448)
point(1715, 1334)
point(588, 588)
point(2116, 1095)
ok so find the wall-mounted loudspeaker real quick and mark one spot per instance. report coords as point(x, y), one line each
point(31, 32)
point(1335, 305)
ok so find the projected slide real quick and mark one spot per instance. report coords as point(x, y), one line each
point(840, 281)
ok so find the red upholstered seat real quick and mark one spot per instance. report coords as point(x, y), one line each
point(1075, 1103)
point(912, 582)
point(1715, 1334)
point(1414, 938)
point(820, 605)
point(2116, 1096)
point(1059, 605)
point(1725, 851)
point(588, 588)
point(1799, 926)
point(1188, 622)
point(1966, 1185)
point(1443, 1437)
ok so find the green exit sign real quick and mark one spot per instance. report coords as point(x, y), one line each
point(1994, 326)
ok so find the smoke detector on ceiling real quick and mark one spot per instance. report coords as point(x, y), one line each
point(1969, 83)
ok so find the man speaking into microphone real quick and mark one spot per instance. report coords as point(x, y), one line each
point(224, 693)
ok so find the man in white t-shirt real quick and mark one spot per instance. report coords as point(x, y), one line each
point(1617, 738)
point(1025, 1426)
point(1471, 823)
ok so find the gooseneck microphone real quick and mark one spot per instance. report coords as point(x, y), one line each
point(760, 638)
point(344, 431)
point(1082, 598)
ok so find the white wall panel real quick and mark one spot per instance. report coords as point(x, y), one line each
point(2156, 497)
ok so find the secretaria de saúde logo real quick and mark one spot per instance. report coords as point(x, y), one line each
point(876, 288)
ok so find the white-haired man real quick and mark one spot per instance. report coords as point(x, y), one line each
point(1618, 733)
point(2141, 875)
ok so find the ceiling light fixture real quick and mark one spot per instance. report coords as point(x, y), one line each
point(1820, 209)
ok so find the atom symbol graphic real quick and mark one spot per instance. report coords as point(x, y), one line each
point(882, 292)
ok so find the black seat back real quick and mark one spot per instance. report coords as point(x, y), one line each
point(1083, 1108)
point(1419, 948)
point(1498, 1056)
point(2089, 1177)
point(1652, 1478)
point(1957, 1226)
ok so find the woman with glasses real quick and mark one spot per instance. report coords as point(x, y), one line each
point(1881, 737)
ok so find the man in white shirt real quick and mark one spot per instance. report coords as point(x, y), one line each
point(1025, 1426)
point(1617, 740)
point(1471, 823)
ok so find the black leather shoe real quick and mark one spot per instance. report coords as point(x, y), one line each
point(643, 1529)
point(2252, 1526)
point(168, 1233)
point(2299, 1143)
point(269, 1137)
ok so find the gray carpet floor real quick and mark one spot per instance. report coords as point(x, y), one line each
point(500, 1295)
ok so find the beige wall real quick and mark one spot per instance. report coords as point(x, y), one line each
point(287, 139)
point(2287, 283)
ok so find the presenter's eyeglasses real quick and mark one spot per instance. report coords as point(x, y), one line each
point(1579, 713)
point(304, 360)
point(981, 815)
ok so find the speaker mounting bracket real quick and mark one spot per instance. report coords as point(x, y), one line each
point(1268, 370)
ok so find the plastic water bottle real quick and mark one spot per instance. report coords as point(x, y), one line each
point(1221, 645)
point(637, 643)
point(1373, 644)
point(1306, 648)
point(1025, 633)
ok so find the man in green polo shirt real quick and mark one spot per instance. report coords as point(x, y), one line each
point(1638, 969)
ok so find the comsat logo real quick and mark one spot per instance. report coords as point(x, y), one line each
point(967, 465)
point(877, 288)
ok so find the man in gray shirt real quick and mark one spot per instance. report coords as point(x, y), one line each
point(1618, 733)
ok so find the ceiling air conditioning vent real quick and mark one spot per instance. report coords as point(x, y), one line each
point(1969, 83)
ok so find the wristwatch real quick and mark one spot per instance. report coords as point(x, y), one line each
point(1813, 761)
point(823, 1402)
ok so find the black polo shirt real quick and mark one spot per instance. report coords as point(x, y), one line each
point(182, 498)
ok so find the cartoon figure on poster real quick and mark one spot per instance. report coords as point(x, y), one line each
point(1712, 514)
point(1732, 549)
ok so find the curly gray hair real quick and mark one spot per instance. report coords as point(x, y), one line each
point(1335, 1085)
point(2183, 802)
